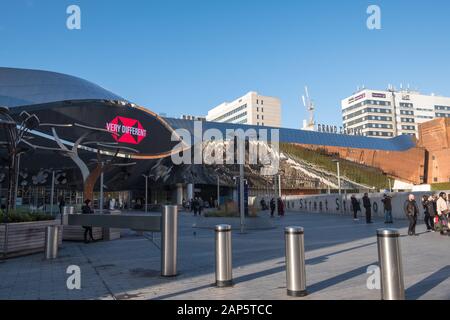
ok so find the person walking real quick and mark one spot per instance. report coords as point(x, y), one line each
point(427, 203)
point(387, 204)
point(280, 207)
point(195, 205)
point(355, 207)
point(200, 206)
point(272, 207)
point(411, 211)
point(368, 206)
point(442, 211)
point(86, 209)
point(62, 204)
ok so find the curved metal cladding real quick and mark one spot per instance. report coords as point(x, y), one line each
point(21, 87)
point(69, 108)
point(104, 125)
point(400, 143)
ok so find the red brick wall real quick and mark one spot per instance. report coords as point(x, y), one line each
point(435, 138)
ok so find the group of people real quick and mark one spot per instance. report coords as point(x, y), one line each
point(195, 205)
point(436, 211)
point(367, 204)
point(278, 204)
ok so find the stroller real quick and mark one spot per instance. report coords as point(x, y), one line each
point(441, 223)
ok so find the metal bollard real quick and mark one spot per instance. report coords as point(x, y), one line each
point(169, 238)
point(295, 262)
point(390, 260)
point(51, 242)
point(224, 265)
point(65, 212)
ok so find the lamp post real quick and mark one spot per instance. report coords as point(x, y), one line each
point(146, 191)
point(338, 174)
point(218, 191)
point(17, 180)
point(52, 192)
point(101, 191)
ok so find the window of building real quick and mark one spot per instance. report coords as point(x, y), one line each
point(257, 116)
point(257, 109)
point(257, 101)
point(262, 117)
point(262, 102)
point(262, 109)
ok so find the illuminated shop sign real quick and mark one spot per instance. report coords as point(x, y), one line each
point(126, 130)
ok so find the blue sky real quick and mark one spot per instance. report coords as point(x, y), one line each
point(187, 56)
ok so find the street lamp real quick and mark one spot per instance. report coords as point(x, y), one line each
point(338, 174)
point(146, 176)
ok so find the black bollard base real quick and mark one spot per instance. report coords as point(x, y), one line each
point(291, 293)
point(224, 284)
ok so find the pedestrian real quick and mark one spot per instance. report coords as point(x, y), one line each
point(86, 209)
point(411, 212)
point(263, 204)
point(280, 207)
point(272, 207)
point(195, 205)
point(387, 204)
point(368, 206)
point(200, 206)
point(427, 203)
point(62, 204)
point(442, 211)
point(191, 205)
point(355, 207)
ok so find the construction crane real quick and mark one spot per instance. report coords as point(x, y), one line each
point(309, 124)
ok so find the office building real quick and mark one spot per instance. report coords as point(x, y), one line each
point(251, 109)
point(390, 113)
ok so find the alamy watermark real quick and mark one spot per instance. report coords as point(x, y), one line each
point(73, 21)
point(374, 280)
point(211, 147)
point(74, 280)
point(374, 19)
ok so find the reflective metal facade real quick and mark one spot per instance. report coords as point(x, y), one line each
point(400, 143)
point(20, 87)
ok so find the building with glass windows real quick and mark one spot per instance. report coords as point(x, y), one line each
point(251, 109)
point(390, 113)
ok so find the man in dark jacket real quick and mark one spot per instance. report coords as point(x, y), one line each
point(368, 206)
point(280, 206)
point(355, 207)
point(387, 203)
point(429, 212)
point(411, 212)
point(86, 209)
point(272, 207)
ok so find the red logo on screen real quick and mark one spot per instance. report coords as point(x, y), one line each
point(126, 130)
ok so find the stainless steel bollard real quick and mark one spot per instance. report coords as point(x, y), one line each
point(224, 265)
point(390, 260)
point(65, 212)
point(169, 238)
point(51, 242)
point(295, 262)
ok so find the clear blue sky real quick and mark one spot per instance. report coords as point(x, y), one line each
point(187, 56)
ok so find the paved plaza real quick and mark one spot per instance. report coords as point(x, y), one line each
point(338, 253)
